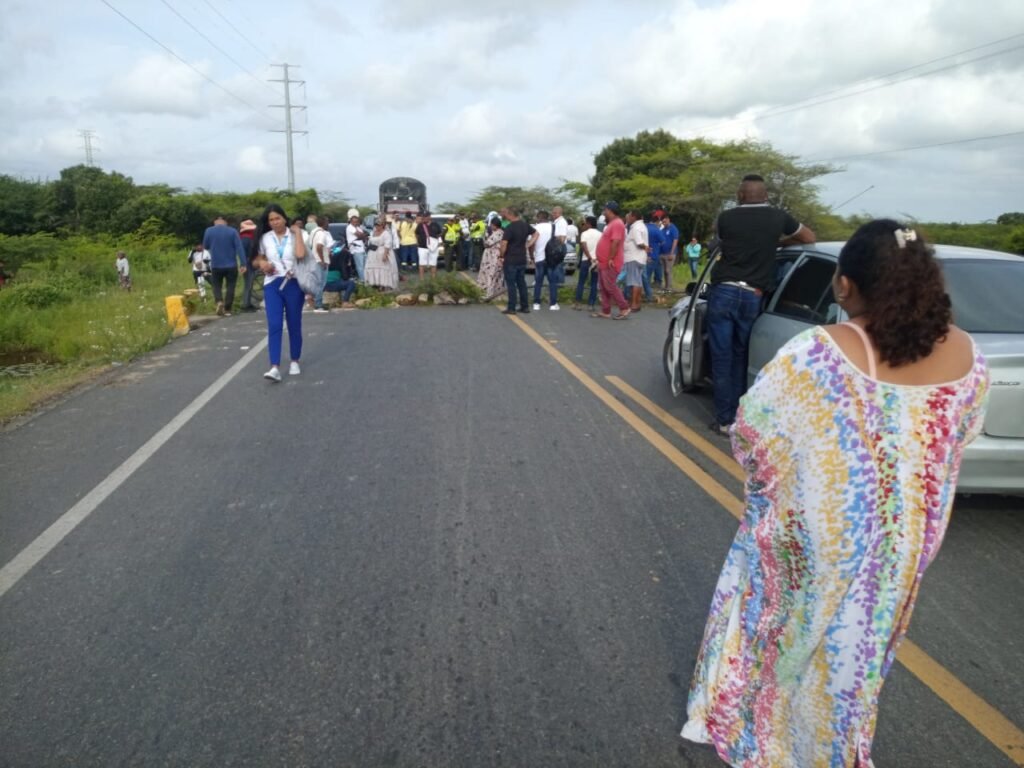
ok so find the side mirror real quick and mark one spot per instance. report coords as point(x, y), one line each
point(691, 288)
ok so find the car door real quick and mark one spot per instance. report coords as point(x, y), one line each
point(690, 334)
point(802, 300)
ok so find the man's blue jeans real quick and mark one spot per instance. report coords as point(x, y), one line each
point(645, 276)
point(655, 271)
point(540, 269)
point(515, 281)
point(731, 314)
point(581, 283)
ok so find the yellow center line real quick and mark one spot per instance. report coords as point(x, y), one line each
point(713, 452)
point(985, 718)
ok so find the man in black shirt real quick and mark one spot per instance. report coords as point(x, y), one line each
point(745, 271)
point(513, 259)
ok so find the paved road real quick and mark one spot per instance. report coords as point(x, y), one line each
point(435, 547)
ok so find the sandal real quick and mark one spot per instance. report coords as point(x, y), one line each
point(623, 315)
point(601, 315)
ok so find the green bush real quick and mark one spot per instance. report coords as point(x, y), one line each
point(34, 295)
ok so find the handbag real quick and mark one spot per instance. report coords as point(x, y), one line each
point(307, 269)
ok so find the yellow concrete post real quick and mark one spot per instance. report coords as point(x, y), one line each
point(176, 316)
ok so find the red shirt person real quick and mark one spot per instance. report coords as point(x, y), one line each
point(609, 263)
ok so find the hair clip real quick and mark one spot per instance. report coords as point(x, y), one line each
point(904, 236)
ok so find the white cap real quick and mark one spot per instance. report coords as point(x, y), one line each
point(353, 213)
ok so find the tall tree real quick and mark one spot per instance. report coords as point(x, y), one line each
point(695, 179)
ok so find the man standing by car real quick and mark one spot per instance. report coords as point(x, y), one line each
point(743, 273)
point(227, 259)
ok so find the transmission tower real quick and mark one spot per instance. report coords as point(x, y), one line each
point(288, 107)
point(87, 137)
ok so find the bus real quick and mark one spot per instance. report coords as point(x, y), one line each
point(402, 195)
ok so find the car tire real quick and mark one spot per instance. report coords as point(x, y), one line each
point(665, 354)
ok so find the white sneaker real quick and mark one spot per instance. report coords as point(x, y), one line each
point(554, 307)
point(274, 374)
point(321, 311)
point(536, 307)
point(293, 369)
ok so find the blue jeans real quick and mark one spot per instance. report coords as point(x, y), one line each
point(731, 314)
point(318, 297)
point(654, 271)
point(646, 277)
point(345, 287)
point(360, 261)
point(581, 283)
point(540, 270)
point(693, 266)
point(408, 255)
point(515, 280)
point(280, 303)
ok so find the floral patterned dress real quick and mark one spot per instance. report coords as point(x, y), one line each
point(850, 484)
point(491, 277)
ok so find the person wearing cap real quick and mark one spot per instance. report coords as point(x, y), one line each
point(247, 234)
point(749, 234)
point(356, 237)
point(227, 259)
point(609, 263)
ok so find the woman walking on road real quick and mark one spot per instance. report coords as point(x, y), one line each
point(851, 440)
point(381, 261)
point(279, 248)
point(491, 277)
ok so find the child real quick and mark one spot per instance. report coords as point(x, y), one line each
point(123, 271)
point(199, 258)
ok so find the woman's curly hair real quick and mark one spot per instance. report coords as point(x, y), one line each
point(904, 292)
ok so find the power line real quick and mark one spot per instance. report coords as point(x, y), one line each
point(920, 146)
point(216, 47)
point(838, 93)
point(236, 30)
point(198, 71)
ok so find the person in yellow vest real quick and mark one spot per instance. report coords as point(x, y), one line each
point(452, 236)
point(477, 233)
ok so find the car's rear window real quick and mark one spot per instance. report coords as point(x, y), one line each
point(986, 294)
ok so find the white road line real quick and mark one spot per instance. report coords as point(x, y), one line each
point(23, 562)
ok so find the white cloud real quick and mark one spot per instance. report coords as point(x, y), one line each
point(252, 159)
point(156, 84)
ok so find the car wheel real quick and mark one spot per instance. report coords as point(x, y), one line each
point(666, 353)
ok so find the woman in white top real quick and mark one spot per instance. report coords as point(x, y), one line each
point(381, 266)
point(279, 248)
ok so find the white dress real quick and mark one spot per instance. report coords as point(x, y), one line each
point(381, 264)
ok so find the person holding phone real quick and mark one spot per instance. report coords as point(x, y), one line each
point(279, 248)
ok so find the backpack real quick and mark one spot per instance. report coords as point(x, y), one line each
point(554, 250)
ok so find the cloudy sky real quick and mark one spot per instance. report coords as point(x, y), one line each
point(463, 94)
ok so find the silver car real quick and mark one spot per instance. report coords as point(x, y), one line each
point(986, 289)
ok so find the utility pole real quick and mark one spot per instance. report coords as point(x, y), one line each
point(87, 136)
point(288, 107)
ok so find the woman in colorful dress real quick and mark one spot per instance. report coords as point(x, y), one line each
point(851, 441)
point(381, 264)
point(491, 277)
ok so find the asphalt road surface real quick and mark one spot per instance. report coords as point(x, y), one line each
point(438, 546)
